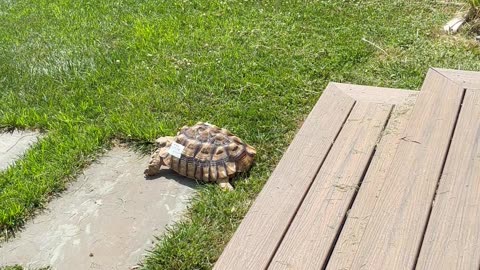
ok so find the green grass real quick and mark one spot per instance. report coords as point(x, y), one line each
point(19, 267)
point(473, 16)
point(86, 72)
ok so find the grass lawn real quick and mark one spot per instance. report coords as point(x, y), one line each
point(90, 71)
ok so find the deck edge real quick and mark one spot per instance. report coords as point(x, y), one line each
point(241, 252)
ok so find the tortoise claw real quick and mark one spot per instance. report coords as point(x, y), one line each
point(225, 184)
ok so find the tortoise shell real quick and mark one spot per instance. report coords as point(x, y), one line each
point(210, 153)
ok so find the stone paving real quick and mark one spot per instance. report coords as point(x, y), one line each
point(13, 145)
point(107, 219)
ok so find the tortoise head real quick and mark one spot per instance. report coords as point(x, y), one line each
point(158, 157)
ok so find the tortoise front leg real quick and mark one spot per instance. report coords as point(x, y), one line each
point(225, 184)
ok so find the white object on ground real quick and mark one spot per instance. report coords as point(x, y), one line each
point(453, 25)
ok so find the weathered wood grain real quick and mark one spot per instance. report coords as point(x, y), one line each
point(394, 231)
point(255, 241)
point(467, 79)
point(385, 226)
point(452, 239)
point(313, 232)
point(357, 219)
point(376, 94)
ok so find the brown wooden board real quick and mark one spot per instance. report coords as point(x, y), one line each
point(394, 230)
point(255, 241)
point(352, 232)
point(452, 239)
point(391, 223)
point(318, 221)
point(466, 79)
point(377, 94)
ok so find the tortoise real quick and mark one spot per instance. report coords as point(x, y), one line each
point(203, 152)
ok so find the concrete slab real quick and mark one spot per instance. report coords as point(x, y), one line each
point(107, 219)
point(13, 145)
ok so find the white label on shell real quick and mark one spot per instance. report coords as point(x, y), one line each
point(176, 150)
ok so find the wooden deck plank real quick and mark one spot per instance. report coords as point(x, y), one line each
point(313, 232)
point(452, 239)
point(395, 227)
point(467, 79)
point(255, 241)
point(377, 94)
point(373, 183)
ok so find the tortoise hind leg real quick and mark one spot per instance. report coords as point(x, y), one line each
point(224, 184)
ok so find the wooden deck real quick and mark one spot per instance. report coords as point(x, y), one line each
point(376, 178)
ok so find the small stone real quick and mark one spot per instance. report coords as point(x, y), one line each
point(91, 254)
point(477, 38)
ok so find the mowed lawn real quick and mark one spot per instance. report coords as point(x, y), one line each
point(89, 72)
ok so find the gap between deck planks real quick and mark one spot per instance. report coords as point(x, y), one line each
point(322, 213)
point(395, 222)
point(352, 230)
point(452, 239)
point(392, 222)
point(258, 236)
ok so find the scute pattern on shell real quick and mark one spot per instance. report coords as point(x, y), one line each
point(210, 153)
